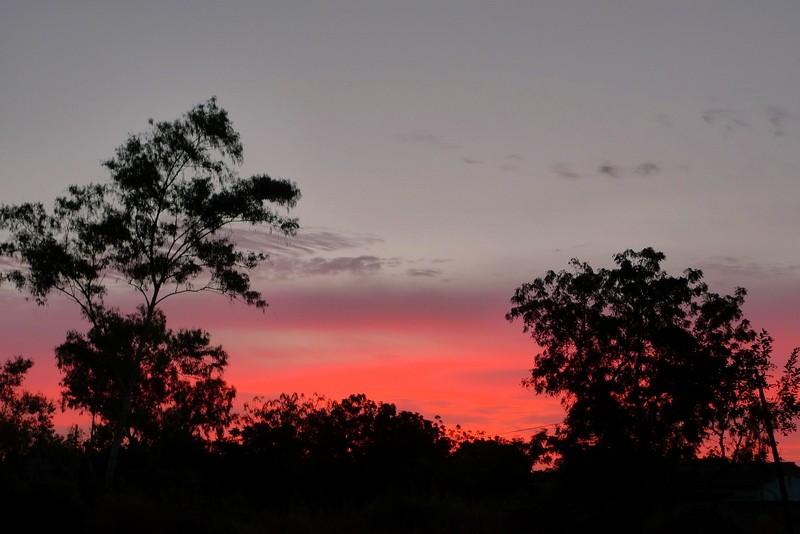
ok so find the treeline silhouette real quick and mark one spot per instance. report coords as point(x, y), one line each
point(310, 464)
point(280, 458)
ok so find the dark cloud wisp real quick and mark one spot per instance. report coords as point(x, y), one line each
point(423, 272)
point(645, 169)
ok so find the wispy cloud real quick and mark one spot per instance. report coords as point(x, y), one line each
point(313, 253)
point(471, 161)
point(300, 267)
point(309, 252)
point(647, 169)
point(644, 169)
point(562, 170)
point(609, 170)
point(744, 269)
point(310, 241)
point(778, 118)
point(423, 272)
point(726, 118)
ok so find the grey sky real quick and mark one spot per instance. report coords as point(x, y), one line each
point(445, 128)
point(448, 143)
point(496, 134)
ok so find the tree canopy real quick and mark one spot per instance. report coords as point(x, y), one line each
point(163, 226)
point(174, 379)
point(159, 224)
point(26, 419)
point(645, 363)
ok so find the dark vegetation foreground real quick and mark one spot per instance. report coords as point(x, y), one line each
point(482, 485)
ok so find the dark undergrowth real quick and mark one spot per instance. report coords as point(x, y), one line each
point(225, 502)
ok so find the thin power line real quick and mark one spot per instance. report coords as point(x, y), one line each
point(529, 428)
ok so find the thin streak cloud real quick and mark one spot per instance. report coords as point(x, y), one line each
point(293, 267)
point(728, 119)
point(778, 119)
point(609, 170)
point(562, 170)
point(310, 241)
point(647, 169)
point(644, 169)
point(423, 272)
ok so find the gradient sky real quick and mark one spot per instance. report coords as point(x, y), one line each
point(447, 151)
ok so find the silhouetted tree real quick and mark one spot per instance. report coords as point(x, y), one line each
point(642, 360)
point(360, 429)
point(746, 415)
point(159, 226)
point(41, 471)
point(277, 428)
point(26, 419)
point(173, 379)
point(335, 446)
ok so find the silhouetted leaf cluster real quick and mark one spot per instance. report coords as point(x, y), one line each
point(648, 366)
point(174, 379)
point(25, 418)
point(356, 446)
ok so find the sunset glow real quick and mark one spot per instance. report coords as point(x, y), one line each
point(446, 152)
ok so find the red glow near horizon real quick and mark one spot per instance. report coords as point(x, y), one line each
point(450, 354)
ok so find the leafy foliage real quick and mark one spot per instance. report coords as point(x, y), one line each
point(739, 432)
point(26, 419)
point(316, 449)
point(352, 430)
point(645, 363)
point(174, 379)
point(158, 224)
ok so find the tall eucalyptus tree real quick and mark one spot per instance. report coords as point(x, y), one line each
point(162, 225)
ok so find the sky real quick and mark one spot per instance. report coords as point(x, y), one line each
point(447, 152)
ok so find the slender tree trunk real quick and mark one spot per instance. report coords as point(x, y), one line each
point(116, 443)
point(775, 456)
point(92, 448)
point(122, 421)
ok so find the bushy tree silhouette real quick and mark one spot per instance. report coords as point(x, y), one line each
point(757, 404)
point(646, 364)
point(26, 419)
point(173, 379)
point(161, 226)
point(340, 449)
